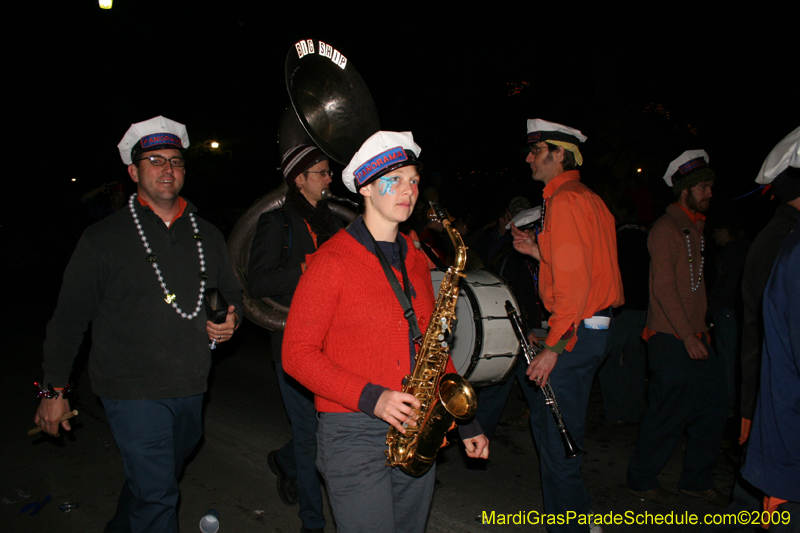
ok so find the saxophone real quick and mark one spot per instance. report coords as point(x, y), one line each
point(443, 397)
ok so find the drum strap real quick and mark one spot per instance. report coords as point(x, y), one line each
point(432, 256)
point(403, 297)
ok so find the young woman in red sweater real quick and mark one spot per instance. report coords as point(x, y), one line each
point(348, 341)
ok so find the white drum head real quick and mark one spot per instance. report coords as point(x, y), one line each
point(484, 348)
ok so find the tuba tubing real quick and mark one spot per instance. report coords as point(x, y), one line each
point(265, 312)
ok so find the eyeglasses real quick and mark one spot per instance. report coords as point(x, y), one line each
point(158, 161)
point(536, 149)
point(323, 173)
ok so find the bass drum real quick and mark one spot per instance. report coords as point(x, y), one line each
point(484, 347)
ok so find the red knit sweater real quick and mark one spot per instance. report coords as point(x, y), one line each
point(346, 328)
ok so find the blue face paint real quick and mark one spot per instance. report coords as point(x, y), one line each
point(386, 185)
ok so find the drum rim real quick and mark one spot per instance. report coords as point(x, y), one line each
point(477, 320)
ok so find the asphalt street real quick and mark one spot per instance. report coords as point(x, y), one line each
point(244, 420)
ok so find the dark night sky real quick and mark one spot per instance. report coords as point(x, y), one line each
point(81, 75)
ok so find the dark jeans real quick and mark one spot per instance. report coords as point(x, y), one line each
point(622, 375)
point(298, 456)
point(726, 343)
point(563, 488)
point(686, 396)
point(492, 399)
point(745, 498)
point(154, 437)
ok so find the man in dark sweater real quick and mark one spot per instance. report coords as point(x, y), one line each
point(139, 277)
point(282, 240)
point(781, 173)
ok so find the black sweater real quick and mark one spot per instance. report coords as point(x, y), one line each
point(268, 273)
point(141, 348)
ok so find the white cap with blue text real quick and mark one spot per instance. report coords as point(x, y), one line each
point(785, 154)
point(686, 163)
point(154, 134)
point(382, 152)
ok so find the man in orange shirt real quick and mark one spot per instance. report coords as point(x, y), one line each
point(579, 282)
point(687, 384)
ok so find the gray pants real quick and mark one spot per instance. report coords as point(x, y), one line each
point(365, 494)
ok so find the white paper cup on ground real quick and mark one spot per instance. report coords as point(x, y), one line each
point(210, 522)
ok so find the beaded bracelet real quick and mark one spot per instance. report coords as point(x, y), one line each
point(49, 392)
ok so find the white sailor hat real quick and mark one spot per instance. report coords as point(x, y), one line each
point(568, 138)
point(384, 151)
point(689, 163)
point(785, 154)
point(541, 130)
point(154, 134)
point(526, 218)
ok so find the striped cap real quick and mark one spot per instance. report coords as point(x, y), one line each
point(298, 159)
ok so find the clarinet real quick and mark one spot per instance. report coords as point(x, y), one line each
point(570, 447)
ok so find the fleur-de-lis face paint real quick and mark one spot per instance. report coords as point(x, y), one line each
point(386, 185)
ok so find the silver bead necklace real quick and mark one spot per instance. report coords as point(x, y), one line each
point(694, 285)
point(152, 259)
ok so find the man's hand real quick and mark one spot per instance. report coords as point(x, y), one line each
point(524, 244)
point(532, 338)
point(398, 408)
point(697, 350)
point(222, 332)
point(541, 366)
point(49, 414)
point(477, 447)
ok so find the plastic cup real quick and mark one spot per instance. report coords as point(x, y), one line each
point(210, 522)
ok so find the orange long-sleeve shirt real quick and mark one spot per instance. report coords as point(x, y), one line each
point(579, 272)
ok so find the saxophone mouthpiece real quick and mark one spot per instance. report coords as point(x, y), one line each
point(328, 195)
point(438, 212)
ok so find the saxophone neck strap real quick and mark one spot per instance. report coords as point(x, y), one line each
point(403, 294)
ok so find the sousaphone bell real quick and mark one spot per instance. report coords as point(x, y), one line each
point(332, 108)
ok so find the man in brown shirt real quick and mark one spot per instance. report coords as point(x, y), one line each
point(687, 387)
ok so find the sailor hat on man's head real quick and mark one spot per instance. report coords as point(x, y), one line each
point(154, 134)
point(785, 154)
point(688, 169)
point(781, 170)
point(526, 218)
point(541, 131)
point(383, 152)
point(568, 138)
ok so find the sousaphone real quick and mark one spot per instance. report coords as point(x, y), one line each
point(332, 108)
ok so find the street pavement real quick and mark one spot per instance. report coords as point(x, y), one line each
point(245, 419)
